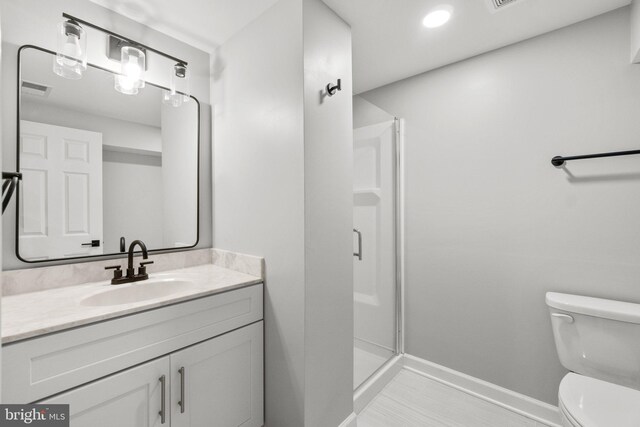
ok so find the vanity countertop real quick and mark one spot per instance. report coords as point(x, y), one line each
point(37, 313)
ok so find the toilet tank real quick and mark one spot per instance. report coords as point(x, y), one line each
point(596, 337)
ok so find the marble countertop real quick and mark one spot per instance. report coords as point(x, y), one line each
point(37, 313)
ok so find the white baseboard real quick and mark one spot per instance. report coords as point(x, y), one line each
point(515, 402)
point(351, 421)
point(374, 385)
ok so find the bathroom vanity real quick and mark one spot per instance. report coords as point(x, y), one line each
point(181, 349)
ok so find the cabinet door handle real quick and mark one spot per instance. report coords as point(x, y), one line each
point(359, 253)
point(182, 401)
point(163, 392)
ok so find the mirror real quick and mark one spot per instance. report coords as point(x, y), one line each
point(101, 168)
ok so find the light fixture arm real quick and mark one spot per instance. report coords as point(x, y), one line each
point(133, 42)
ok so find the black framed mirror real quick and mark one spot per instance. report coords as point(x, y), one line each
point(100, 168)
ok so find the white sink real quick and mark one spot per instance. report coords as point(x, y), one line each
point(138, 292)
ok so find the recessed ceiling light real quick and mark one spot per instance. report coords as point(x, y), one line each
point(438, 17)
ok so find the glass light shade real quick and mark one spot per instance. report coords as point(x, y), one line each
point(131, 77)
point(179, 85)
point(71, 51)
point(125, 85)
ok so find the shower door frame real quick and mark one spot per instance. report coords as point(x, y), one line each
point(398, 224)
point(399, 229)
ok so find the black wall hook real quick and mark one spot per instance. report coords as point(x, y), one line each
point(331, 90)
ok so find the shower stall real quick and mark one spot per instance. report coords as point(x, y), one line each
point(377, 214)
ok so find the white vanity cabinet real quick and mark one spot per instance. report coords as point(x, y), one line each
point(198, 362)
point(218, 382)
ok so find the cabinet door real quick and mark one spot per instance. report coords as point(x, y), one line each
point(219, 383)
point(131, 398)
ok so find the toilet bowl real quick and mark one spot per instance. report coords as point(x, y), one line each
point(599, 341)
point(588, 402)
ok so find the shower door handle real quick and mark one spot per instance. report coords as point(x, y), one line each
point(359, 253)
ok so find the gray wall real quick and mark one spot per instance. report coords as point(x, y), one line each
point(132, 182)
point(283, 190)
point(259, 176)
point(116, 133)
point(34, 22)
point(491, 225)
point(365, 113)
point(328, 213)
point(179, 177)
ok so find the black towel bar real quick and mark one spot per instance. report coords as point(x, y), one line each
point(9, 184)
point(559, 160)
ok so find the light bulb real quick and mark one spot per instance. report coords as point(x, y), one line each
point(178, 91)
point(175, 99)
point(438, 17)
point(125, 85)
point(71, 53)
point(131, 70)
point(131, 77)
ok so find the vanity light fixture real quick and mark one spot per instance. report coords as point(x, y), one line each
point(71, 60)
point(71, 50)
point(178, 87)
point(438, 17)
point(133, 65)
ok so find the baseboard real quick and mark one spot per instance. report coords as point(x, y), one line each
point(531, 408)
point(351, 421)
point(374, 385)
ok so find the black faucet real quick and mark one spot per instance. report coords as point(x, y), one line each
point(131, 276)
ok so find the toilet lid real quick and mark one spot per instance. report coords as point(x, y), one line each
point(595, 403)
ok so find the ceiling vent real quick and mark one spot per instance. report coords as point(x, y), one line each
point(35, 89)
point(499, 4)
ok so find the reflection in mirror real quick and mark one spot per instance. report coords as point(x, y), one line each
point(99, 166)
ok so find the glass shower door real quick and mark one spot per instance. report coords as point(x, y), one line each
point(374, 212)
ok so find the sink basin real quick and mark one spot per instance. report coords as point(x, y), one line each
point(138, 292)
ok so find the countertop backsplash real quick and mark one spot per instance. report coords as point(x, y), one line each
point(16, 282)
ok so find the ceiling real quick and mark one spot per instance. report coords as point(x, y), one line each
point(389, 41)
point(205, 24)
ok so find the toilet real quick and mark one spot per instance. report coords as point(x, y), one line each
point(598, 340)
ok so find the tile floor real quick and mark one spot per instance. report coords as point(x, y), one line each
point(412, 400)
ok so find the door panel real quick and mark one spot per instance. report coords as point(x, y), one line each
point(76, 203)
point(61, 193)
point(34, 202)
point(223, 381)
point(374, 216)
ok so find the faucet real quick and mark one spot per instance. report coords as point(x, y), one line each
point(131, 276)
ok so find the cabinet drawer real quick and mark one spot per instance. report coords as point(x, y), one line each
point(47, 365)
